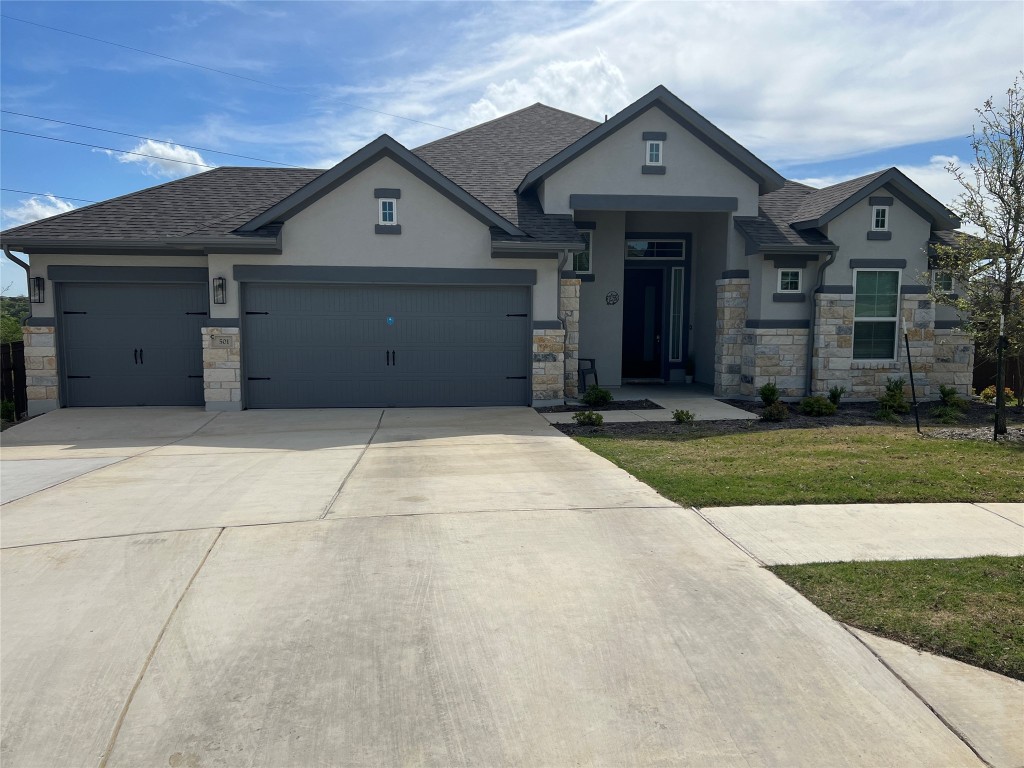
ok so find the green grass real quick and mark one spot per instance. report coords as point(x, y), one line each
point(970, 609)
point(817, 466)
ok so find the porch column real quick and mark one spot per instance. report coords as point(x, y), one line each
point(40, 368)
point(569, 314)
point(733, 295)
point(222, 369)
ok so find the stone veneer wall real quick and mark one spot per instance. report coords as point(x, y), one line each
point(548, 363)
point(40, 368)
point(222, 370)
point(776, 355)
point(569, 314)
point(954, 360)
point(733, 295)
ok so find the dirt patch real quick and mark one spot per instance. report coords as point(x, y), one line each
point(614, 405)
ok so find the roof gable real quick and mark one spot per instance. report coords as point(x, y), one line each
point(383, 146)
point(823, 205)
point(767, 178)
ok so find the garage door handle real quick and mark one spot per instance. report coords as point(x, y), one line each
point(394, 358)
point(141, 361)
point(257, 378)
point(135, 352)
point(387, 356)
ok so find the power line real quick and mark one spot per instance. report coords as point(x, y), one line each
point(147, 138)
point(108, 149)
point(218, 71)
point(48, 194)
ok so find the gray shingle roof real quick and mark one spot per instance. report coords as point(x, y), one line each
point(821, 201)
point(209, 204)
point(771, 227)
point(490, 159)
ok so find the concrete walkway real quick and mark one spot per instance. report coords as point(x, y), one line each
point(695, 398)
point(435, 587)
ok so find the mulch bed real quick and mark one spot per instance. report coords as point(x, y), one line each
point(614, 405)
point(975, 424)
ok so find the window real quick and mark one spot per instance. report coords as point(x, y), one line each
point(654, 153)
point(655, 249)
point(789, 280)
point(675, 344)
point(880, 218)
point(942, 281)
point(388, 213)
point(581, 259)
point(875, 313)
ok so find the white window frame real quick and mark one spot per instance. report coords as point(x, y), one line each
point(935, 281)
point(896, 321)
point(661, 152)
point(799, 280)
point(588, 235)
point(394, 211)
point(874, 218)
point(673, 326)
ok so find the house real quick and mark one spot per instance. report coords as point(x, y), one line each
point(479, 268)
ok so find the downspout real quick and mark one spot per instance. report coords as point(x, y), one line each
point(561, 265)
point(813, 314)
point(23, 265)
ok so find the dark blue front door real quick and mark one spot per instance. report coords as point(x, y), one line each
point(642, 319)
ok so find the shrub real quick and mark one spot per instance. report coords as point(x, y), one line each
point(951, 399)
point(817, 406)
point(596, 397)
point(682, 417)
point(947, 414)
point(777, 411)
point(836, 394)
point(7, 410)
point(988, 394)
point(769, 393)
point(588, 418)
point(893, 402)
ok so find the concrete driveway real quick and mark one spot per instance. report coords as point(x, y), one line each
point(429, 587)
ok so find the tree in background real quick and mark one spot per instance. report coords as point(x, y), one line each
point(988, 270)
point(13, 309)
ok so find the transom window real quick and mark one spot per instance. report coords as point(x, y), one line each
point(875, 314)
point(654, 153)
point(880, 218)
point(655, 249)
point(387, 211)
point(581, 259)
point(789, 280)
point(942, 281)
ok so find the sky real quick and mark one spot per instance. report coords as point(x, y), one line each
point(821, 91)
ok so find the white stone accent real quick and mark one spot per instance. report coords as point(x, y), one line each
point(222, 370)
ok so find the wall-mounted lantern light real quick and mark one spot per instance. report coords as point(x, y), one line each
point(220, 290)
point(37, 290)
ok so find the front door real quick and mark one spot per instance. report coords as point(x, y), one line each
point(642, 310)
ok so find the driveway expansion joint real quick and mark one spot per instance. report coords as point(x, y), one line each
point(362, 453)
point(992, 511)
point(728, 538)
point(952, 728)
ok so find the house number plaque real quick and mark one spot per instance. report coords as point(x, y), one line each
point(219, 340)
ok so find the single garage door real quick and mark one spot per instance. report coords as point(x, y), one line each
point(132, 344)
point(307, 346)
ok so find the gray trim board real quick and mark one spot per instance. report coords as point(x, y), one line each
point(550, 255)
point(269, 245)
point(734, 274)
point(671, 203)
point(60, 273)
point(834, 289)
point(878, 263)
point(790, 261)
point(778, 324)
point(655, 136)
point(252, 273)
point(387, 193)
point(880, 200)
point(387, 229)
point(875, 234)
point(535, 245)
point(945, 325)
point(384, 146)
point(794, 298)
point(38, 322)
point(652, 170)
point(586, 277)
point(547, 325)
point(223, 322)
point(586, 224)
point(914, 290)
point(726, 147)
point(657, 235)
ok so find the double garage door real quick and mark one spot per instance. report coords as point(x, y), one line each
point(307, 346)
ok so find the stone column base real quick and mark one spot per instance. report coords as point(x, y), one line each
point(548, 365)
point(730, 321)
point(41, 369)
point(222, 369)
point(569, 314)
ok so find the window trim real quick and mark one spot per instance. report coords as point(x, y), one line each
point(799, 280)
point(647, 152)
point(935, 282)
point(589, 234)
point(666, 259)
point(896, 321)
point(874, 220)
point(674, 327)
point(394, 211)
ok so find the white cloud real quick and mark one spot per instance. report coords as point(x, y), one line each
point(33, 209)
point(163, 160)
point(932, 177)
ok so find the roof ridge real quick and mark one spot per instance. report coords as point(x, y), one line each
point(501, 117)
point(865, 179)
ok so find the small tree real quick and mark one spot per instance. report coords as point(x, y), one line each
point(989, 269)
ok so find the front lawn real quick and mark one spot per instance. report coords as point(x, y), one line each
point(970, 609)
point(816, 466)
